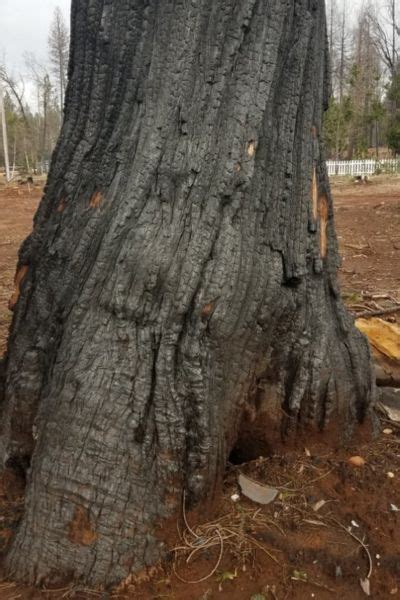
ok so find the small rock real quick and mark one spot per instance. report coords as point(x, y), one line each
point(357, 461)
point(390, 475)
point(235, 497)
point(338, 572)
point(388, 431)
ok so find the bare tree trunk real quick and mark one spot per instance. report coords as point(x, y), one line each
point(181, 275)
point(341, 80)
point(3, 122)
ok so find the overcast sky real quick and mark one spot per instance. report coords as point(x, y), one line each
point(24, 27)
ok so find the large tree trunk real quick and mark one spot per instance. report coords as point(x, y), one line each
point(181, 276)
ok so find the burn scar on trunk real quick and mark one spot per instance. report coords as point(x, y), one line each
point(80, 530)
point(323, 213)
point(19, 277)
point(251, 149)
point(96, 200)
point(314, 195)
point(61, 206)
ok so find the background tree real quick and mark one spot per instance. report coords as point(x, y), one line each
point(366, 89)
point(180, 280)
point(59, 50)
point(393, 132)
point(386, 32)
point(339, 115)
point(18, 119)
point(359, 108)
point(34, 127)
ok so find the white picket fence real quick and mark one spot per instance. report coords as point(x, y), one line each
point(363, 167)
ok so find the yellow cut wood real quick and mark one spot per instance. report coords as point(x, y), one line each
point(384, 336)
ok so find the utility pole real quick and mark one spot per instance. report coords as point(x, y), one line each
point(5, 139)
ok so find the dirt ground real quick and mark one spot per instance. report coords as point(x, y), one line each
point(17, 207)
point(368, 227)
point(334, 526)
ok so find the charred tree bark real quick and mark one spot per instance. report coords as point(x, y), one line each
point(181, 274)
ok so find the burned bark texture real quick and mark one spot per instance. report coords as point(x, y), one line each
point(181, 274)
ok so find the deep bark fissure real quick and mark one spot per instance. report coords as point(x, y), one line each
point(181, 281)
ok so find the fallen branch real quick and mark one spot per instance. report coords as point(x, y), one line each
point(229, 532)
point(361, 542)
point(378, 313)
point(355, 247)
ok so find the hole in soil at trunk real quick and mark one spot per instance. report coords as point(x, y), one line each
point(19, 466)
point(250, 444)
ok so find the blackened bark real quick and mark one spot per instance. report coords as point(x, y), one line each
point(181, 274)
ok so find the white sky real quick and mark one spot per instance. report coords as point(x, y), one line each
point(24, 27)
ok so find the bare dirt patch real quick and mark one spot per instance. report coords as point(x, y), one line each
point(17, 207)
point(368, 226)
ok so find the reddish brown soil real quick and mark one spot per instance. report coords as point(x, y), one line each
point(315, 548)
point(17, 208)
point(368, 225)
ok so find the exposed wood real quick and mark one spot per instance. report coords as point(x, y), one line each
point(4, 135)
point(96, 200)
point(19, 278)
point(324, 215)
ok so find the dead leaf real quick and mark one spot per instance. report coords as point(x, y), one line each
point(299, 575)
point(257, 492)
point(226, 576)
point(366, 586)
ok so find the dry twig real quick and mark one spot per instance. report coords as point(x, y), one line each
point(230, 531)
